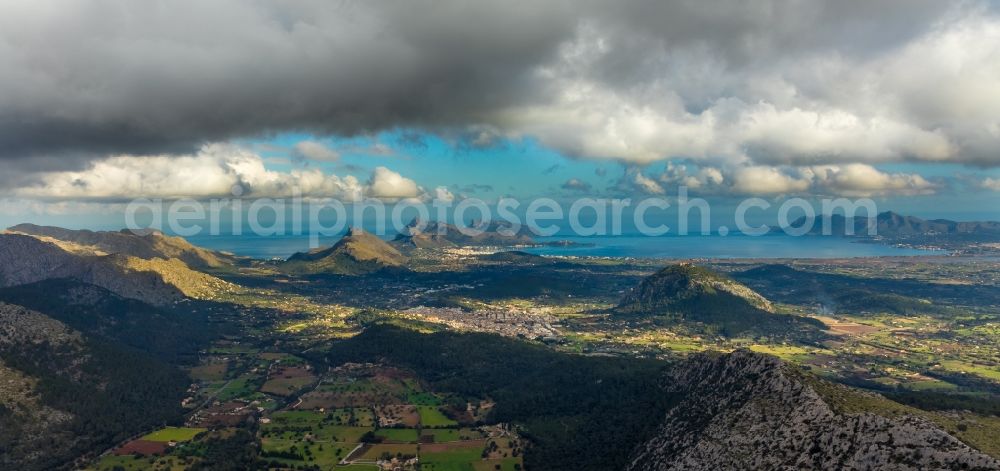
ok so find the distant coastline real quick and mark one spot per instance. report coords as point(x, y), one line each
point(625, 246)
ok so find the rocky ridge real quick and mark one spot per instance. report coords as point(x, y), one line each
point(27, 424)
point(26, 259)
point(751, 411)
point(144, 245)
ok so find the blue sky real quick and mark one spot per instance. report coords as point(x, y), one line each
point(525, 169)
point(521, 167)
point(511, 167)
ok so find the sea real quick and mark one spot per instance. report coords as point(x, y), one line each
point(632, 246)
point(722, 247)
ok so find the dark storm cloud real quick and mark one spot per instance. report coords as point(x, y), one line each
point(93, 78)
point(85, 79)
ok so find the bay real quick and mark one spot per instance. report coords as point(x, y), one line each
point(634, 246)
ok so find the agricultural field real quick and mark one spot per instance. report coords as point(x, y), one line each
point(168, 449)
point(238, 387)
point(174, 434)
point(210, 371)
point(472, 454)
point(295, 453)
point(287, 380)
point(398, 435)
point(388, 434)
point(432, 417)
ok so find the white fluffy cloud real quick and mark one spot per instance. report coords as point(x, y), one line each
point(849, 180)
point(706, 178)
point(215, 171)
point(990, 184)
point(442, 193)
point(930, 99)
point(758, 180)
point(865, 180)
point(642, 183)
point(386, 184)
point(312, 150)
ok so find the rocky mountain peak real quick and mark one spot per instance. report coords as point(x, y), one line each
point(744, 410)
point(358, 252)
point(685, 282)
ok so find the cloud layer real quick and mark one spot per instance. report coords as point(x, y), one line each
point(848, 180)
point(770, 82)
point(216, 171)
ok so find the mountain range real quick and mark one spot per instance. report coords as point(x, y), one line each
point(359, 252)
point(890, 224)
point(156, 281)
point(437, 234)
point(92, 334)
point(141, 244)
